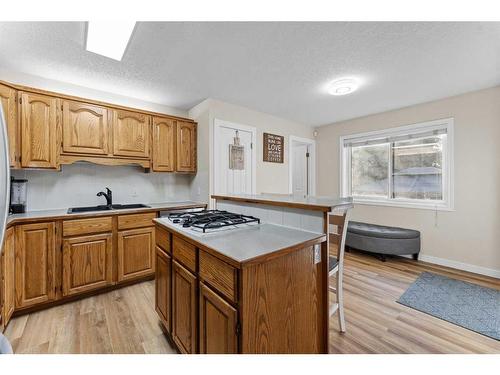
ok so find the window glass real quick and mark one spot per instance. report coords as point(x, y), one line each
point(417, 168)
point(369, 171)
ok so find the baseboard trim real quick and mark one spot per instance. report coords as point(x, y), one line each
point(460, 266)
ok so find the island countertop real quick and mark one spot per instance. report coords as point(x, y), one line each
point(248, 245)
point(325, 204)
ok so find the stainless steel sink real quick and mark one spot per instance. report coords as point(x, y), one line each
point(75, 210)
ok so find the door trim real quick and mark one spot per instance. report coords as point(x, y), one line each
point(218, 124)
point(312, 161)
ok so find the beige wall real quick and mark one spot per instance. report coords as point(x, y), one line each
point(469, 236)
point(271, 177)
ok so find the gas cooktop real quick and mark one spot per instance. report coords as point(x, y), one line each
point(211, 220)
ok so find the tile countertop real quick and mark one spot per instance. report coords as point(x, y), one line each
point(63, 212)
point(324, 204)
point(250, 243)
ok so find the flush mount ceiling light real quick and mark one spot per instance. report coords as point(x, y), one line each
point(343, 86)
point(109, 38)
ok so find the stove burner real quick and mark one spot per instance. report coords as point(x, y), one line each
point(210, 219)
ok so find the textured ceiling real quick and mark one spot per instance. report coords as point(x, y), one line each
point(278, 68)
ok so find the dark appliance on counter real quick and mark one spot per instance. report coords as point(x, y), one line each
point(18, 195)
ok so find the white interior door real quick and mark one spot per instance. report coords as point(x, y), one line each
point(300, 171)
point(227, 180)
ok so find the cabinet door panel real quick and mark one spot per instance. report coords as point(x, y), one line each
point(186, 146)
point(184, 331)
point(85, 128)
point(135, 253)
point(87, 263)
point(8, 275)
point(39, 144)
point(131, 133)
point(8, 97)
point(163, 144)
point(163, 287)
point(35, 264)
point(217, 324)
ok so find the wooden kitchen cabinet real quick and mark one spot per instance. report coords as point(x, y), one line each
point(39, 130)
point(8, 264)
point(84, 128)
point(163, 144)
point(184, 314)
point(186, 146)
point(136, 253)
point(87, 263)
point(218, 319)
point(163, 287)
point(131, 134)
point(8, 97)
point(35, 258)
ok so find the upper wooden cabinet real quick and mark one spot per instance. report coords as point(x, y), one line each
point(8, 96)
point(35, 273)
point(163, 144)
point(85, 128)
point(47, 130)
point(186, 146)
point(39, 123)
point(131, 134)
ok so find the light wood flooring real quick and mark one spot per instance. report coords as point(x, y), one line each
point(124, 320)
point(376, 323)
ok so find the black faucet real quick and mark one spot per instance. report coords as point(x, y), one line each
point(109, 197)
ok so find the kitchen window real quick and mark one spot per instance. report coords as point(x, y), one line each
point(409, 166)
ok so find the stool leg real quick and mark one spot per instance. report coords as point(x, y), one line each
point(340, 299)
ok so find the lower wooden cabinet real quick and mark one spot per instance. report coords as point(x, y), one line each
point(184, 314)
point(163, 287)
point(35, 272)
point(87, 263)
point(136, 253)
point(7, 295)
point(218, 319)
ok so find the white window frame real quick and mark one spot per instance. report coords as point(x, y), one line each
point(447, 204)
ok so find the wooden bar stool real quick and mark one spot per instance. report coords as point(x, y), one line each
point(339, 218)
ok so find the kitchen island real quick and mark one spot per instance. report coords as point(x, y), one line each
point(258, 289)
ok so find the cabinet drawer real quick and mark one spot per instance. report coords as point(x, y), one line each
point(163, 239)
point(185, 253)
point(219, 275)
point(136, 220)
point(87, 226)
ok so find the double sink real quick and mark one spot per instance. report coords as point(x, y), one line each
point(75, 210)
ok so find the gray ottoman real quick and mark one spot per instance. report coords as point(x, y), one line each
point(383, 240)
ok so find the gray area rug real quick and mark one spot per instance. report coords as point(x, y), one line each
point(468, 305)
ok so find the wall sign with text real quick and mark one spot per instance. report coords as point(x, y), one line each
point(274, 146)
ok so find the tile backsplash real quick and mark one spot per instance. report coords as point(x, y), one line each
point(78, 184)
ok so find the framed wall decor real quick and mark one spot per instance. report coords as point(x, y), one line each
point(274, 148)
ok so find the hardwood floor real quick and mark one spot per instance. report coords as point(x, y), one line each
point(121, 321)
point(377, 324)
point(124, 320)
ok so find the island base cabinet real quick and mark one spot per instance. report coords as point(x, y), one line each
point(35, 275)
point(218, 330)
point(282, 305)
point(87, 263)
point(163, 287)
point(184, 314)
